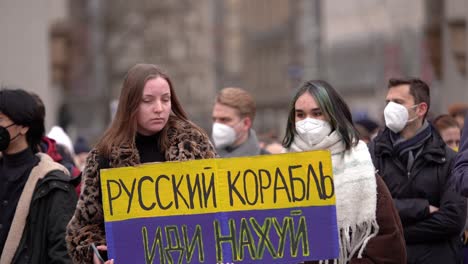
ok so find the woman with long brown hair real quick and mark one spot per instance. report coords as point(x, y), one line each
point(150, 126)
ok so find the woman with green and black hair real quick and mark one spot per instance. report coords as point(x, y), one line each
point(369, 227)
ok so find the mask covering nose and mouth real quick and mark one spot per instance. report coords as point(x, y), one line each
point(312, 131)
point(5, 137)
point(223, 135)
point(396, 116)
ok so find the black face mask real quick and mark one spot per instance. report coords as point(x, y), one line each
point(5, 137)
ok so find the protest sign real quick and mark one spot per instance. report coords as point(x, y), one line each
point(262, 209)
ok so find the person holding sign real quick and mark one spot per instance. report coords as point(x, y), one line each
point(150, 126)
point(369, 227)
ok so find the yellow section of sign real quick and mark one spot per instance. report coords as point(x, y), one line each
point(218, 185)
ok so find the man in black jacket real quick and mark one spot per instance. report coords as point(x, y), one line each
point(36, 197)
point(416, 165)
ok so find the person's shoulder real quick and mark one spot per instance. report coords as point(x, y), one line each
point(102, 160)
point(181, 125)
point(97, 161)
point(57, 175)
point(188, 141)
point(361, 145)
point(54, 178)
point(382, 139)
point(438, 143)
point(359, 148)
point(46, 165)
point(185, 129)
point(382, 135)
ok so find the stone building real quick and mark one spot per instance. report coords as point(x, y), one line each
point(204, 46)
point(447, 29)
point(31, 40)
point(109, 38)
point(261, 52)
point(76, 53)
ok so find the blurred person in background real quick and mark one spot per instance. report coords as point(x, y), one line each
point(37, 197)
point(449, 130)
point(416, 165)
point(150, 125)
point(65, 149)
point(460, 170)
point(61, 137)
point(369, 228)
point(274, 147)
point(367, 128)
point(460, 174)
point(270, 143)
point(233, 116)
point(81, 152)
point(58, 152)
point(458, 111)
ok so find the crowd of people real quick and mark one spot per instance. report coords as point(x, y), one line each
point(400, 188)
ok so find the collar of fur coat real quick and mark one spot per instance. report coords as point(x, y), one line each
point(186, 142)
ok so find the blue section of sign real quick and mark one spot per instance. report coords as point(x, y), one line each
point(260, 236)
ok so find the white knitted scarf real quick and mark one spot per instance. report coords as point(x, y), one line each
point(355, 192)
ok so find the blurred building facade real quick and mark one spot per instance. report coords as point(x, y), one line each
point(260, 51)
point(366, 42)
point(30, 33)
point(76, 53)
point(112, 36)
point(270, 47)
point(453, 50)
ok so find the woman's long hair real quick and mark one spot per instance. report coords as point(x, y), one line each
point(123, 128)
point(332, 106)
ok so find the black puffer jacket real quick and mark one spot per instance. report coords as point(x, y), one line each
point(52, 206)
point(426, 183)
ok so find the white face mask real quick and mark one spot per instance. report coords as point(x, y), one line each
point(396, 116)
point(312, 131)
point(223, 135)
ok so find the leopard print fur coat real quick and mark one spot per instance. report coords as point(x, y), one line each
point(87, 224)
